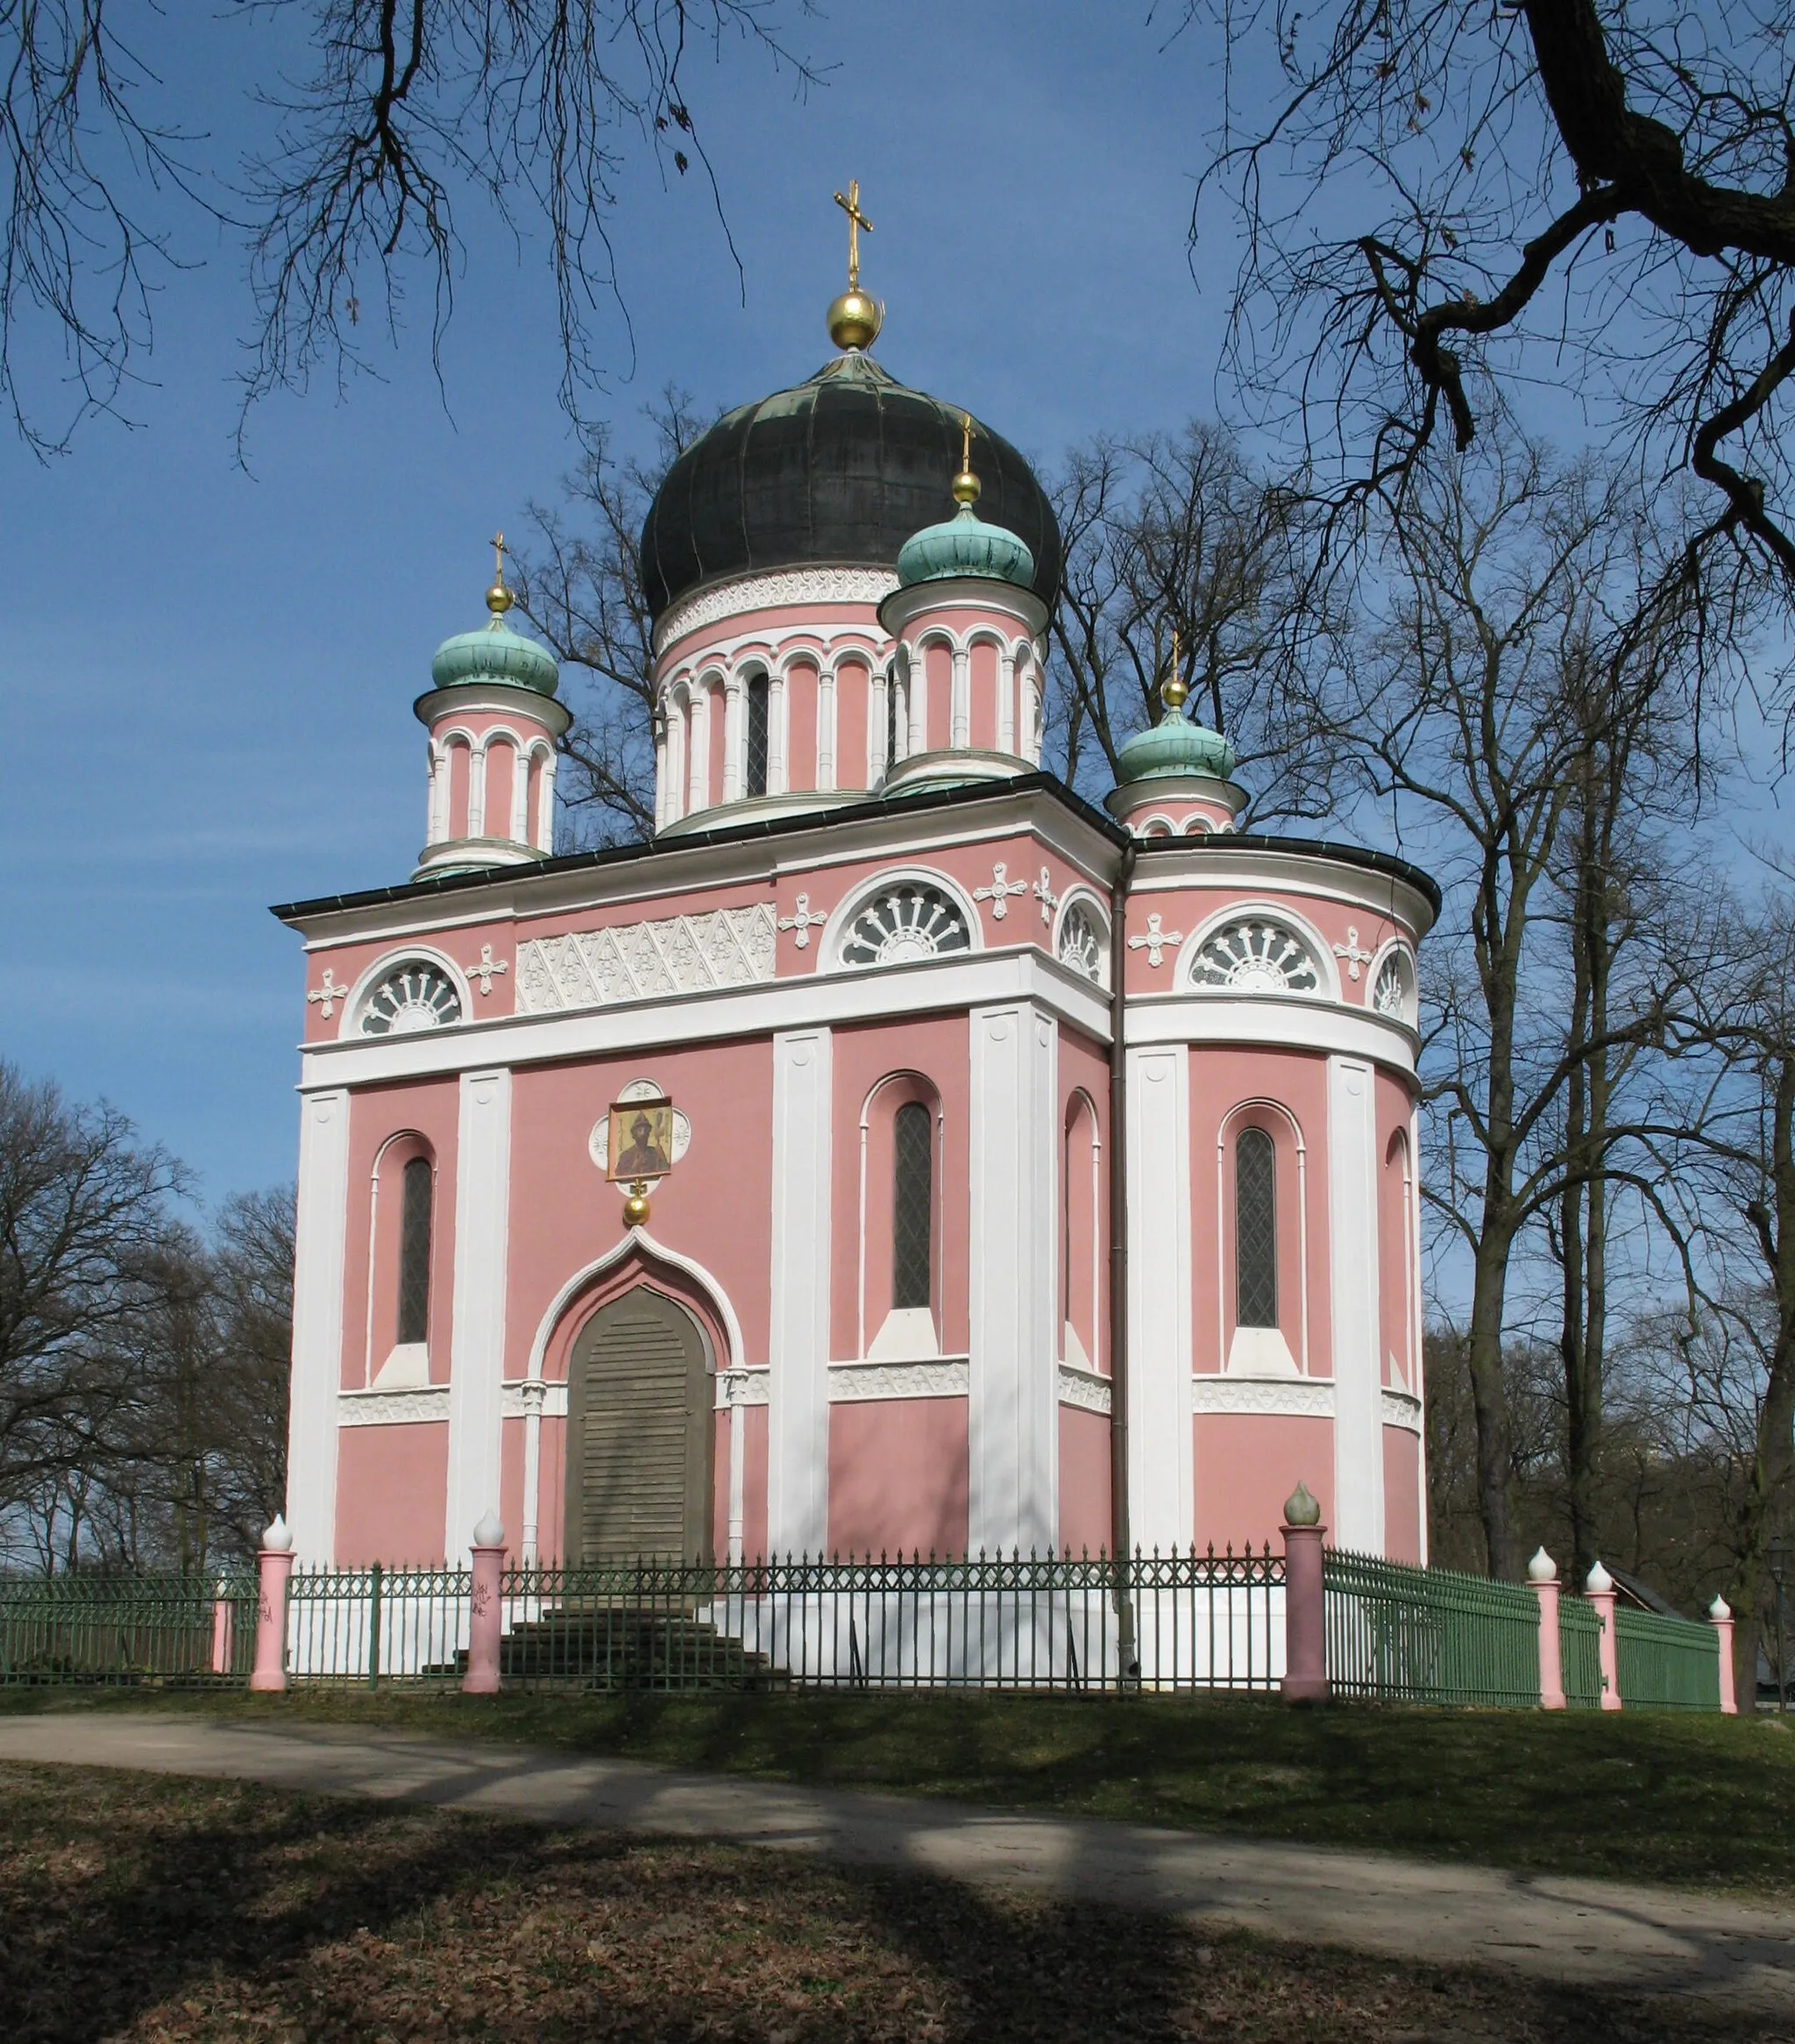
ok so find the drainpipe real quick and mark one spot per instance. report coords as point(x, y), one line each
point(1121, 1538)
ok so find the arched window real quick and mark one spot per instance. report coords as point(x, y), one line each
point(913, 1191)
point(754, 765)
point(1255, 1230)
point(415, 1253)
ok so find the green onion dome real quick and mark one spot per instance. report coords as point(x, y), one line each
point(1174, 747)
point(495, 654)
point(964, 544)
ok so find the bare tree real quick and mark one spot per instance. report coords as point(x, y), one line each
point(1439, 202)
point(355, 193)
point(581, 587)
point(83, 1217)
point(1180, 533)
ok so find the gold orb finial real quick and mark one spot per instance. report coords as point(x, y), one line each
point(499, 598)
point(966, 485)
point(1172, 689)
point(855, 319)
point(636, 1208)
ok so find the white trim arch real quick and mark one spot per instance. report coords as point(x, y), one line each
point(1261, 1104)
point(636, 1239)
point(842, 917)
point(1321, 952)
point(390, 962)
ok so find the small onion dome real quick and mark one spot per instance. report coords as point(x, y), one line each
point(964, 544)
point(496, 653)
point(1174, 745)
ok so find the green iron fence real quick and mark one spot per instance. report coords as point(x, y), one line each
point(378, 1624)
point(1579, 1654)
point(1666, 1664)
point(1402, 1635)
point(168, 1630)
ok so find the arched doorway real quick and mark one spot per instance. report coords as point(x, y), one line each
point(639, 1430)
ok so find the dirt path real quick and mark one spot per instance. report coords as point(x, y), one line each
point(1587, 1931)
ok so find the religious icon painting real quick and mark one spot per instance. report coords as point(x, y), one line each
point(640, 1144)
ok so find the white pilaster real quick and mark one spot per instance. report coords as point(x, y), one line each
point(1006, 700)
point(734, 733)
point(1013, 1376)
point(698, 754)
point(797, 1445)
point(476, 790)
point(1159, 1475)
point(778, 723)
point(317, 1326)
point(1352, 1278)
point(520, 796)
point(959, 701)
point(825, 728)
point(476, 1353)
point(917, 739)
point(545, 819)
point(662, 754)
point(878, 727)
point(1415, 1365)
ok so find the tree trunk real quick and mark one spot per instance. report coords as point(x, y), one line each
point(1489, 1397)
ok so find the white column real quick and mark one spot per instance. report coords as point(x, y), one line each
point(1352, 1282)
point(1160, 1459)
point(734, 749)
point(698, 753)
point(798, 1442)
point(1013, 1410)
point(661, 759)
point(775, 735)
point(1415, 1365)
point(520, 796)
point(477, 790)
point(477, 1352)
point(1006, 700)
point(917, 697)
point(317, 1326)
point(545, 818)
point(959, 701)
point(430, 797)
point(878, 727)
point(825, 728)
point(678, 721)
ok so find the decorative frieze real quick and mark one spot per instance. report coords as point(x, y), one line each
point(791, 587)
point(742, 1388)
point(1303, 1397)
point(852, 1382)
point(1401, 1409)
point(634, 962)
point(391, 1409)
point(1088, 1389)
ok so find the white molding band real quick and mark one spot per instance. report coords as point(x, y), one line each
point(476, 1353)
point(786, 588)
point(739, 1387)
point(1401, 1409)
point(1287, 1021)
point(1011, 1427)
point(863, 1383)
point(424, 1403)
point(319, 1242)
point(1353, 1268)
point(797, 1435)
point(1088, 1390)
point(1159, 1458)
point(1305, 1397)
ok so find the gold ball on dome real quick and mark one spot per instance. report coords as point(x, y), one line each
point(855, 319)
point(498, 600)
point(1173, 691)
point(966, 488)
point(635, 1210)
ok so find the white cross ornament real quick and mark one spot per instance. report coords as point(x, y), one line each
point(999, 890)
point(330, 994)
point(1350, 952)
point(803, 923)
point(485, 968)
point(1043, 894)
point(1156, 940)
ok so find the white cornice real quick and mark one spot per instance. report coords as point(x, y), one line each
point(1220, 865)
point(1291, 1023)
point(780, 589)
point(820, 1000)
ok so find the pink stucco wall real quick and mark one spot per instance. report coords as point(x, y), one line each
point(1401, 1494)
point(392, 1494)
point(801, 724)
point(1248, 1464)
point(1084, 1481)
point(898, 1477)
point(378, 1114)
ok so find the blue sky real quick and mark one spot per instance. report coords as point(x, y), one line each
point(210, 672)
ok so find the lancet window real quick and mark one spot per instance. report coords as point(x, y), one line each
point(753, 775)
point(1255, 1230)
point(415, 1252)
point(912, 1197)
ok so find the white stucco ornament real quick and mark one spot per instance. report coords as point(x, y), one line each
point(599, 1143)
point(1719, 1610)
point(1599, 1580)
point(489, 1532)
point(1542, 1568)
point(277, 1536)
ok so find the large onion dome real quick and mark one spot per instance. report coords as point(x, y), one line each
point(841, 472)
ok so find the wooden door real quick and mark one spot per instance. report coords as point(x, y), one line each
point(639, 1427)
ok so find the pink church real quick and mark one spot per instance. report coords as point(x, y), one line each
point(1034, 1175)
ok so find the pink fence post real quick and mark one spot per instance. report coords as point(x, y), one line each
point(484, 1615)
point(1543, 1574)
point(1720, 1614)
point(1600, 1589)
point(1305, 1625)
point(274, 1566)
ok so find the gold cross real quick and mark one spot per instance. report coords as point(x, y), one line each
point(857, 220)
point(498, 556)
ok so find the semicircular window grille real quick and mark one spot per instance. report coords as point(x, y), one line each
point(1393, 994)
point(409, 1000)
point(1256, 956)
point(903, 924)
point(1082, 943)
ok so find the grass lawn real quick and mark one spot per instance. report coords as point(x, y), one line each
point(1683, 1799)
point(138, 1908)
